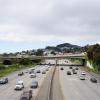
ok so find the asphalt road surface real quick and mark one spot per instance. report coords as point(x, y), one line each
point(56, 93)
point(50, 90)
point(7, 91)
point(75, 89)
point(54, 85)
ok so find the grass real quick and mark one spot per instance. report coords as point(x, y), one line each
point(91, 70)
point(13, 68)
point(75, 61)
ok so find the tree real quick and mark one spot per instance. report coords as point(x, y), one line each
point(39, 52)
point(53, 52)
point(25, 61)
point(93, 55)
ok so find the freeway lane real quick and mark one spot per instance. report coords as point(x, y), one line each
point(44, 91)
point(7, 91)
point(75, 89)
point(56, 93)
point(50, 90)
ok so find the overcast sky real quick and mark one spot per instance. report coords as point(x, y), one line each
point(28, 24)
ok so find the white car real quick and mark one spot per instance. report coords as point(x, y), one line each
point(33, 75)
point(19, 85)
point(82, 77)
point(83, 73)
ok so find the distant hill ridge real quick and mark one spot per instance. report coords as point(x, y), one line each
point(68, 45)
point(64, 45)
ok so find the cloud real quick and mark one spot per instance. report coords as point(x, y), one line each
point(50, 20)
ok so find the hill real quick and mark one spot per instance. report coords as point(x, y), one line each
point(67, 45)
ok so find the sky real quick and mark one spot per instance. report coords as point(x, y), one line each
point(32, 24)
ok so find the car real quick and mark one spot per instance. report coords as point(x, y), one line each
point(61, 68)
point(3, 80)
point(31, 71)
point(77, 68)
point(26, 71)
point(26, 95)
point(19, 85)
point(70, 67)
point(93, 79)
point(33, 75)
point(82, 77)
point(83, 73)
point(38, 71)
point(68, 73)
point(34, 84)
point(47, 69)
point(74, 71)
point(20, 73)
point(44, 72)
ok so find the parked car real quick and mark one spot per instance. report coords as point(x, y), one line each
point(83, 73)
point(19, 85)
point(93, 79)
point(26, 95)
point(61, 68)
point(33, 75)
point(68, 73)
point(20, 73)
point(3, 80)
point(82, 77)
point(34, 84)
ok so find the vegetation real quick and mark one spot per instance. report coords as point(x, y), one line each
point(39, 52)
point(11, 68)
point(93, 55)
point(24, 63)
point(76, 61)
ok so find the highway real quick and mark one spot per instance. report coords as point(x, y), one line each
point(7, 91)
point(54, 85)
point(75, 89)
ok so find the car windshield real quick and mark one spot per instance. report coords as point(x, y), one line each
point(34, 82)
point(24, 98)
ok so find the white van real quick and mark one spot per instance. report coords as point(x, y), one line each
point(19, 85)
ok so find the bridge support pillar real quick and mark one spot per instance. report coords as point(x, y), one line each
point(56, 62)
point(83, 62)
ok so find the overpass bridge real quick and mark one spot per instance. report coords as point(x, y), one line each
point(55, 57)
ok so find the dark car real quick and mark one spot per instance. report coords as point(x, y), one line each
point(38, 71)
point(74, 71)
point(94, 80)
point(61, 68)
point(3, 80)
point(68, 73)
point(77, 68)
point(26, 95)
point(34, 84)
point(70, 67)
point(31, 71)
point(20, 73)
